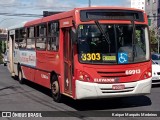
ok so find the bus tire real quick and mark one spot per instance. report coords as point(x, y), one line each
point(55, 89)
point(20, 76)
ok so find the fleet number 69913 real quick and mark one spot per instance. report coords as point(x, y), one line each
point(131, 72)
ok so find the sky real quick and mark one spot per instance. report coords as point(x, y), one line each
point(12, 7)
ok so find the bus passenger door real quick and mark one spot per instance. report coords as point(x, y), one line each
point(11, 51)
point(67, 51)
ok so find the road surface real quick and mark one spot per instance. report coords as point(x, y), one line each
point(32, 97)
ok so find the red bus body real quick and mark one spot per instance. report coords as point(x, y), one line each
point(78, 80)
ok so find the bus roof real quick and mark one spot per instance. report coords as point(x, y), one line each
point(109, 7)
point(71, 13)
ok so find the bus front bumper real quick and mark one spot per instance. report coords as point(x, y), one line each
point(86, 90)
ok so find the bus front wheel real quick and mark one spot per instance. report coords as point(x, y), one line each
point(55, 89)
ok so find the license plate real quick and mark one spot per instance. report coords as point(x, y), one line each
point(118, 87)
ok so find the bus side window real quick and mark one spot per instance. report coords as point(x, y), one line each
point(31, 38)
point(22, 38)
point(41, 37)
point(16, 39)
point(53, 36)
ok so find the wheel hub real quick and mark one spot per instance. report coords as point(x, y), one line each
point(55, 88)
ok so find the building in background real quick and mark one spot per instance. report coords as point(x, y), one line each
point(3, 38)
point(151, 7)
point(139, 4)
point(158, 13)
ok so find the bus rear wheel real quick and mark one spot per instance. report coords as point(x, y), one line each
point(55, 89)
point(20, 76)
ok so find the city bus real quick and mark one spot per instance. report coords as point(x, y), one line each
point(85, 53)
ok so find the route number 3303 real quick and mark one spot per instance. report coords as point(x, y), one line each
point(91, 56)
point(131, 72)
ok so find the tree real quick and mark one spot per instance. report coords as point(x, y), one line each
point(153, 41)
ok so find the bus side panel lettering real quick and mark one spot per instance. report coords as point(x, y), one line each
point(28, 58)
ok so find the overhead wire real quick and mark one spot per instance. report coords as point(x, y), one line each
point(35, 7)
point(21, 15)
point(26, 6)
point(28, 14)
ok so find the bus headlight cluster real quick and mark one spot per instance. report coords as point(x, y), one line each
point(83, 76)
point(147, 74)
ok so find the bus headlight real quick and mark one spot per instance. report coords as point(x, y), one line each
point(83, 76)
point(147, 74)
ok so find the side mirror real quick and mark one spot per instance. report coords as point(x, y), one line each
point(73, 35)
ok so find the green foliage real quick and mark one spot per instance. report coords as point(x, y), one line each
point(1, 51)
point(153, 41)
point(2, 46)
point(153, 37)
point(1, 57)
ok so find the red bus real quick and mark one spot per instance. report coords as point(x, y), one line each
point(85, 53)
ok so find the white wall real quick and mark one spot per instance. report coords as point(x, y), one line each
point(139, 4)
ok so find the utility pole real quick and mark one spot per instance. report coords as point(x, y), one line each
point(89, 3)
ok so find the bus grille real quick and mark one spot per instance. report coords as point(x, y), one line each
point(110, 90)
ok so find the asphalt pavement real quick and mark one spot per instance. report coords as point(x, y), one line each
point(31, 98)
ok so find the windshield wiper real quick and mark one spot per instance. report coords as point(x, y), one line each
point(103, 33)
point(133, 41)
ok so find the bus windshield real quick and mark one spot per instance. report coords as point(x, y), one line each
point(94, 48)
